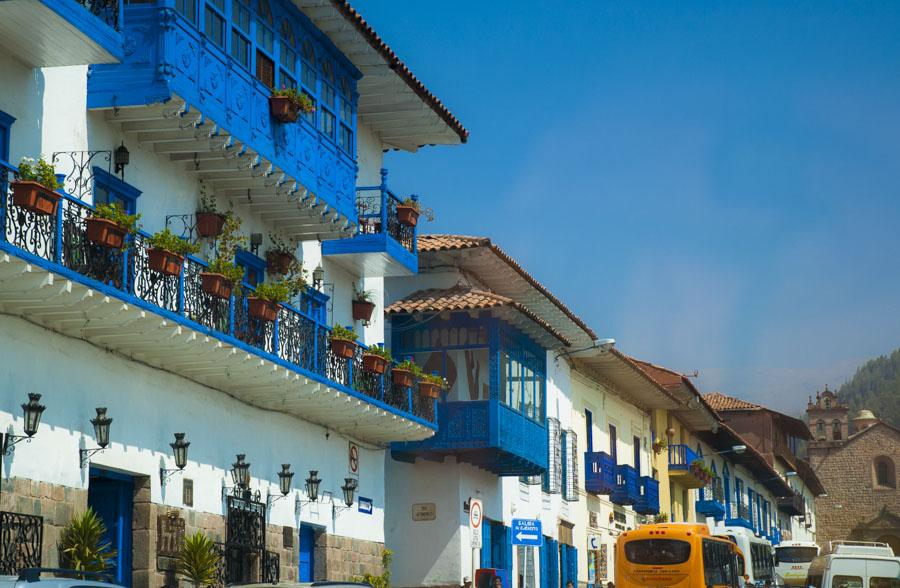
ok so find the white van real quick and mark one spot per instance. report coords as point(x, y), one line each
point(757, 553)
point(855, 564)
point(792, 559)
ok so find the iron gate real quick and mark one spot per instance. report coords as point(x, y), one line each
point(244, 555)
point(20, 542)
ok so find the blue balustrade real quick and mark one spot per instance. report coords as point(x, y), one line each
point(599, 472)
point(738, 515)
point(647, 502)
point(681, 456)
point(626, 490)
point(711, 502)
point(296, 339)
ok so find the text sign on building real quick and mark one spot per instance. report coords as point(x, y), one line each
point(424, 511)
point(476, 519)
point(527, 532)
point(353, 459)
point(365, 505)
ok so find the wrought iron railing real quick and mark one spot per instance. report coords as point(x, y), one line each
point(377, 210)
point(294, 337)
point(21, 538)
point(105, 10)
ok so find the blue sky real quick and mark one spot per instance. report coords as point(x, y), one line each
point(715, 185)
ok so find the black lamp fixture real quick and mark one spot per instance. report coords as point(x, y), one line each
point(101, 433)
point(285, 477)
point(240, 472)
point(121, 158)
point(318, 276)
point(179, 449)
point(32, 411)
point(312, 491)
point(349, 488)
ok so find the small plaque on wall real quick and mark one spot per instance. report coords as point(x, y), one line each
point(187, 492)
point(169, 539)
point(424, 511)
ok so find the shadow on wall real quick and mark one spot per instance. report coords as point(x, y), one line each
point(23, 99)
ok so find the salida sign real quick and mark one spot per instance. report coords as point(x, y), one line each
point(527, 532)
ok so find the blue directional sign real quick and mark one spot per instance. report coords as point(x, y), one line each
point(527, 532)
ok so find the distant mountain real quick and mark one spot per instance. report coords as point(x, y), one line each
point(876, 386)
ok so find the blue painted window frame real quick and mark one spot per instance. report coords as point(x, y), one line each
point(251, 263)
point(116, 188)
point(589, 430)
point(6, 123)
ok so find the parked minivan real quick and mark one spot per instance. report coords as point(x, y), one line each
point(855, 564)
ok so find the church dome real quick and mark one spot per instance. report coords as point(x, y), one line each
point(865, 415)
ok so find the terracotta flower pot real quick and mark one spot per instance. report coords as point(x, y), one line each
point(279, 262)
point(362, 310)
point(283, 109)
point(261, 309)
point(215, 285)
point(104, 232)
point(402, 377)
point(209, 224)
point(165, 262)
point(374, 363)
point(343, 348)
point(407, 215)
point(34, 197)
point(429, 390)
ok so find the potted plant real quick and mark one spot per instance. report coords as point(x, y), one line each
point(280, 256)
point(263, 305)
point(34, 188)
point(343, 342)
point(696, 467)
point(662, 517)
point(375, 359)
point(660, 445)
point(362, 305)
point(198, 561)
point(210, 221)
point(110, 224)
point(166, 252)
point(430, 385)
point(286, 104)
point(223, 276)
point(408, 212)
point(82, 545)
point(404, 373)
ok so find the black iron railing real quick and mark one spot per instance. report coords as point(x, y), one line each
point(294, 337)
point(377, 210)
point(105, 10)
point(20, 542)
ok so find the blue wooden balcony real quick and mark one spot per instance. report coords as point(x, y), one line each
point(184, 96)
point(599, 472)
point(680, 459)
point(711, 502)
point(484, 433)
point(626, 490)
point(48, 33)
point(383, 246)
point(647, 502)
point(54, 276)
point(738, 515)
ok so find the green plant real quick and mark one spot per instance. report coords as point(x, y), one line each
point(432, 379)
point(300, 100)
point(82, 546)
point(169, 241)
point(226, 248)
point(343, 333)
point(408, 364)
point(283, 245)
point(115, 213)
point(662, 517)
point(273, 292)
point(380, 351)
point(38, 171)
point(199, 560)
point(384, 579)
point(415, 204)
point(232, 272)
point(362, 295)
point(207, 199)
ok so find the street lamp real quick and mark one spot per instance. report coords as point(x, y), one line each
point(285, 476)
point(179, 448)
point(32, 411)
point(101, 433)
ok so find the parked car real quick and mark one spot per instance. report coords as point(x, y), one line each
point(56, 578)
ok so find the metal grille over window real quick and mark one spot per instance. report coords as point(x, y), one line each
point(570, 491)
point(553, 477)
point(21, 538)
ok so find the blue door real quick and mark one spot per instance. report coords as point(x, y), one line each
point(307, 553)
point(111, 496)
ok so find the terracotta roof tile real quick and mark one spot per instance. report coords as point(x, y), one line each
point(429, 243)
point(719, 401)
point(396, 64)
point(461, 298)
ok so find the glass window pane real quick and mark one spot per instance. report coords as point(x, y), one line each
point(504, 367)
point(327, 123)
point(528, 384)
point(346, 139)
point(240, 15)
point(215, 27)
point(188, 8)
point(288, 58)
point(265, 39)
point(240, 48)
point(515, 385)
point(846, 582)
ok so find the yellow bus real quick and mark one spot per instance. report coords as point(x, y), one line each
point(682, 555)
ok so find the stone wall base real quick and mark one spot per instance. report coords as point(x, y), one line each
point(344, 557)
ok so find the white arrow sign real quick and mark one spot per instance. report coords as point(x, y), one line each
point(526, 537)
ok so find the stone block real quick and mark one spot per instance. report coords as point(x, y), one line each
point(142, 550)
point(58, 493)
point(141, 516)
point(142, 578)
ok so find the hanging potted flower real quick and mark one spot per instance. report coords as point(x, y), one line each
point(110, 224)
point(430, 385)
point(280, 255)
point(223, 276)
point(404, 374)
point(209, 220)
point(266, 300)
point(696, 467)
point(376, 359)
point(343, 342)
point(34, 188)
point(286, 104)
point(408, 212)
point(166, 252)
point(660, 445)
point(362, 305)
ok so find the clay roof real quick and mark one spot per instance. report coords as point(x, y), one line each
point(462, 298)
point(543, 302)
point(719, 401)
point(724, 438)
point(695, 412)
point(400, 68)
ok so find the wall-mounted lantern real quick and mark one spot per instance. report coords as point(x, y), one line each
point(32, 411)
point(312, 491)
point(101, 433)
point(179, 449)
point(285, 477)
point(121, 158)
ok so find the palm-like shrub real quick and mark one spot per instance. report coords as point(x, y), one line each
point(199, 560)
point(82, 545)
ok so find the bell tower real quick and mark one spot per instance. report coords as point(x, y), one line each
point(827, 416)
